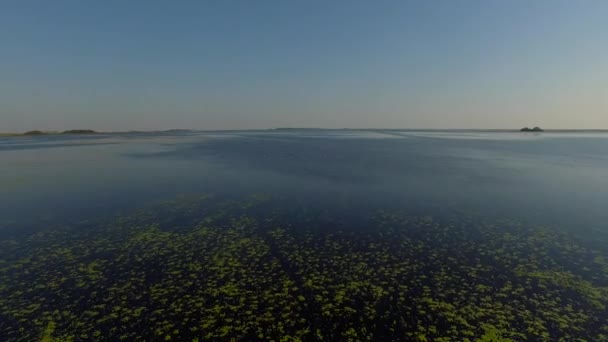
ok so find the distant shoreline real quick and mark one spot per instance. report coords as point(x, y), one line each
point(302, 129)
point(46, 133)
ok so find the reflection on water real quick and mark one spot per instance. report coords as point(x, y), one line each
point(314, 235)
point(548, 178)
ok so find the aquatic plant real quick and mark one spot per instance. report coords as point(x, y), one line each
point(200, 268)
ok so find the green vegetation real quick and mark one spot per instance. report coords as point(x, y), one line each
point(35, 133)
point(202, 269)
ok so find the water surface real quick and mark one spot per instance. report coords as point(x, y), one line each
point(550, 178)
point(304, 235)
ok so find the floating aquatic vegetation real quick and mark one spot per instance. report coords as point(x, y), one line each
point(199, 269)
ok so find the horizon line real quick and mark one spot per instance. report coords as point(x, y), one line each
point(317, 128)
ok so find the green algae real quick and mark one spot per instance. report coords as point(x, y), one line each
point(201, 269)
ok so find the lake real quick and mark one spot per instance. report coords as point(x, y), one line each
point(305, 235)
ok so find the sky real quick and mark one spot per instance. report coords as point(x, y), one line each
point(151, 65)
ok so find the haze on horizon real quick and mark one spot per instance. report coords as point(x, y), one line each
point(152, 65)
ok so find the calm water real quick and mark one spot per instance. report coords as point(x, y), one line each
point(304, 236)
point(551, 178)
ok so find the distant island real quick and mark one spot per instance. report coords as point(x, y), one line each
point(72, 131)
point(535, 129)
point(301, 129)
point(79, 131)
point(34, 133)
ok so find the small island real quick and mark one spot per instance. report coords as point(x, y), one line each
point(38, 132)
point(79, 131)
point(34, 133)
point(535, 129)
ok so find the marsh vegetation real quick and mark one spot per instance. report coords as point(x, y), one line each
point(199, 268)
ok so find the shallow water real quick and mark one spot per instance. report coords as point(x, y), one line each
point(376, 214)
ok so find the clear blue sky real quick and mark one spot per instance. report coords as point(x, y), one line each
point(122, 65)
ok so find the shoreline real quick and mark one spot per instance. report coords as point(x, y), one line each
point(296, 130)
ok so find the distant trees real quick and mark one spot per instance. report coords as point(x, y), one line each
point(73, 131)
point(34, 133)
point(79, 131)
point(535, 129)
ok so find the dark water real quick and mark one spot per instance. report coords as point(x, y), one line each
point(557, 179)
point(537, 199)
